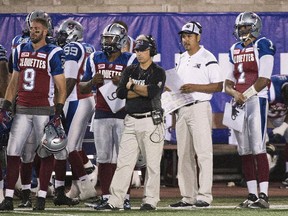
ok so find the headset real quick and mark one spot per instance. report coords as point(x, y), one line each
point(152, 45)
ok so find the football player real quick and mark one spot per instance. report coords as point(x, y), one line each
point(277, 114)
point(102, 68)
point(78, 110)
point(249, 75)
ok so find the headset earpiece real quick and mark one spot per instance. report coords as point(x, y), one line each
point(152, 44)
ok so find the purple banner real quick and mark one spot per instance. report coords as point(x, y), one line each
point(216, 37)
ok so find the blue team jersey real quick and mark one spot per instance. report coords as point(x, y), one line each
point(36, 68)
point(76, 52)
point(277, 107)
point(98, 63)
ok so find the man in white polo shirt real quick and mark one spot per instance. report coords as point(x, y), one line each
point(200, 73)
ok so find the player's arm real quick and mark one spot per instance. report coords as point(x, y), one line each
point(12, 87)
point(60, 83)
point(3, 78)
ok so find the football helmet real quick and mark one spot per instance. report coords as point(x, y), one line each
point(40, 14)
point(54, 139)
point(250, 20)
point(113, 38)
point(69, 31)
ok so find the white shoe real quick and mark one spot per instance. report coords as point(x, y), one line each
point(1, 195)
point(94, 175)
point(74, 190)
point(87, 189)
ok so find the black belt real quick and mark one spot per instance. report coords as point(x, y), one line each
point(141, 116)
point(195, 102)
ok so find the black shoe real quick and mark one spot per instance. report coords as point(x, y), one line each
point(147, 207)
point(61, 199)
point(98, 202)
point(127, 204)
point(201, 204)
point(181, 204)
point(7, 204)
point(40, 204)
point(25, 199)
point(250, 200)
point(261, 202)
point(106, 207)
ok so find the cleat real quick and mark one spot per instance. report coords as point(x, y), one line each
point(96, 202)
point(26, 199)
point(250, 200)
point(201, 204)
point(127, 204)
point(181, 205)
point(106, 207)
point(7, 204)
point(261, 202)
point(285, 182)
point(40, 204)
point(61, 199)
point(147, 207)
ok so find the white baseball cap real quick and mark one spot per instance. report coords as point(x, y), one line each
point(191, 28)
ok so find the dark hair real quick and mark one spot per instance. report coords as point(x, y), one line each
point(42, 21)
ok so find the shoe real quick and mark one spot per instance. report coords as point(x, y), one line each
point(40, 204)
point(285, 181)
point(94, 203)
point(92, 173)
point(106, 207)
point(98, 202)
point(7, 204)
point(26, 199)
point(127, 204)
point(261, 202)
point(74, 190)
point(147, 207)
point(181, 204)
point(201, 204)
point(250, 200)
point(61, 199)
point(87, 189)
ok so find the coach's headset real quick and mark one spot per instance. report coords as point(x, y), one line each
point(144, 44)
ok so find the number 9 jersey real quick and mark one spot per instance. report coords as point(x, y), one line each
point(37, 68)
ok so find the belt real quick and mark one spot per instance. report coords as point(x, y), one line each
point(141, 116)
point(195, 102)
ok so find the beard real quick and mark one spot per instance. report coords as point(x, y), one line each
point(36, 39)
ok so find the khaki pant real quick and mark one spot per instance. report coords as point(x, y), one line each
point(135, 138)
point(194, 138)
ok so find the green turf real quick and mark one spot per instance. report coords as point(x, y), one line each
point(221, 206)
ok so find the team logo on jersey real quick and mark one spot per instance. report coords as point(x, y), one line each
point(118, 67)
point(110, 66)
point(250, 49)
point(101, 66)
point(41, 55)
point(25, 54)
point(236, 51)
point(197, 66)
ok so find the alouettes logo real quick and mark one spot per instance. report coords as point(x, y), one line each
point(25, 54)
point(118, 67)
point(101, 66)
point(236, 51)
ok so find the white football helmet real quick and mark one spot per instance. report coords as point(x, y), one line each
point(54, 139)
point(113, 38)
point(70, 30)
point(247, 19)
point(40, 14)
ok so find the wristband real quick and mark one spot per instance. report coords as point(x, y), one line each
point(6, 105)
point(59, 108)
point(250, 92)
point(132, 87)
